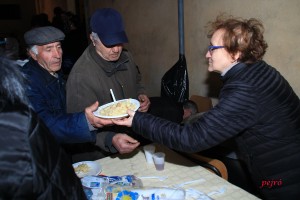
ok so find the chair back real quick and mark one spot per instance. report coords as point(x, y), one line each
point(203, 103)
point(213, 165)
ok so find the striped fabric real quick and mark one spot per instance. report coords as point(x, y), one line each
point(258, 108)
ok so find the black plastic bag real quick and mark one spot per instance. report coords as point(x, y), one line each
point(175, 82)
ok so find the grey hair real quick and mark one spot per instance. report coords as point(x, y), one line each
point(34, 49)
point(95, 36)
point(191, 105)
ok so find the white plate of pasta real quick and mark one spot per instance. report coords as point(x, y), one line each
point(117, 109)
point(87, 168)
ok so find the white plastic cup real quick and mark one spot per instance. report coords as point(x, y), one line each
point(149, 151)
point(159, 160)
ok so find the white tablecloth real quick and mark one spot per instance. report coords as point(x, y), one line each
point(177, 170)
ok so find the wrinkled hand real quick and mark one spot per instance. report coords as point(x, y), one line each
point(145, 103)
point(124, 143)
point(126, 121)
point(96, 121)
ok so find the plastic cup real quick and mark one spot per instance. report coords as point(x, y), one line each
point(149, 151)
point(159, 160)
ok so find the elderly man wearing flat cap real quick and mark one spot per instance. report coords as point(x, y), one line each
point(105, 65)
point(46, 91)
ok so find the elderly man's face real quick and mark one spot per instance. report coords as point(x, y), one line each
point(111, 53)
point(49, 56)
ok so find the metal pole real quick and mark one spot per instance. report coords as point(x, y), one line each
point(181, 27)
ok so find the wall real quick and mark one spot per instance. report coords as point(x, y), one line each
point(17, 27)
point(152, 28)
point(28, 9)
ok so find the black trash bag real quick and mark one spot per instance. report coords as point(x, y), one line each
point(175, 82)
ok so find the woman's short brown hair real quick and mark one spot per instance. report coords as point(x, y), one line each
point(241, 35)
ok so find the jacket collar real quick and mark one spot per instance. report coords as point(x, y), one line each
point(43, 72)
point(238, 67)
point(109, 67)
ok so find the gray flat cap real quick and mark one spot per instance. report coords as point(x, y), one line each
point(43, 35)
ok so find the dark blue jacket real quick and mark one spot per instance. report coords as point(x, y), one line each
point(257, 108)
point(48, 98)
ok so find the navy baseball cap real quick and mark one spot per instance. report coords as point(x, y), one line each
point(108, 25)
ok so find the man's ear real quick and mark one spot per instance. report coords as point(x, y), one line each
point(91, 37)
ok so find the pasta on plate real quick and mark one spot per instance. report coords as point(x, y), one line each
point(117, 109)
point(120, 108)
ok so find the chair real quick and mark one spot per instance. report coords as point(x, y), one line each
point(213, 165)
point(203, 103)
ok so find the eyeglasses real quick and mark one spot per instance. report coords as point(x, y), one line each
point(212, 48)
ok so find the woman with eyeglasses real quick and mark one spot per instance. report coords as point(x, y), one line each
point(257, 108)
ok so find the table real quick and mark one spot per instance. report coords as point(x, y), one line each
point(178, 169)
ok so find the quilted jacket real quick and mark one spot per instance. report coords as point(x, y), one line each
point(32, 164)
point(259, 109)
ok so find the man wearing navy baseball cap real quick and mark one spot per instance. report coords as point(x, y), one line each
point(108, 25)
point(106, 65)
point(47, 95)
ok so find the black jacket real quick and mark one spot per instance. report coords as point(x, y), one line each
point(257, 108)
point(32, 164)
